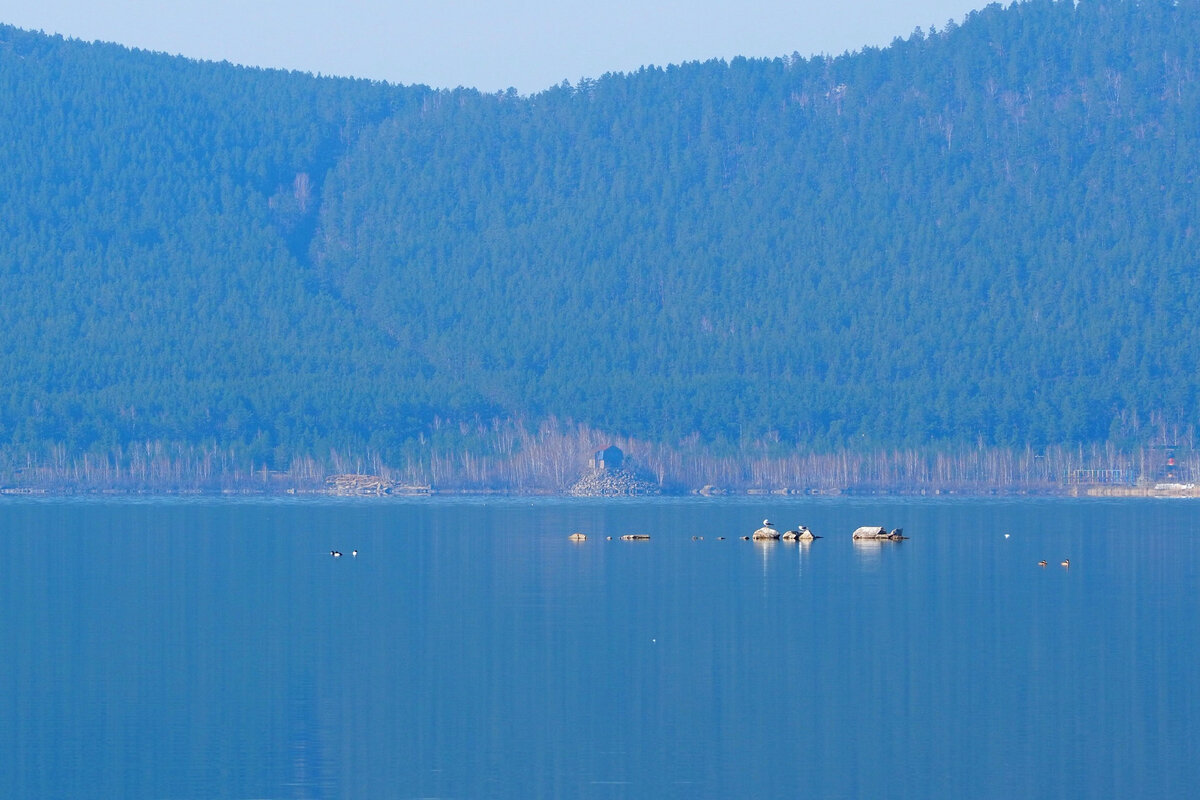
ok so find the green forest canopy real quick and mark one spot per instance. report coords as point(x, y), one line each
point(980, 234)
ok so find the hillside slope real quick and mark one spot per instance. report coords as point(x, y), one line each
point(981, 234)
point(985, 234)
point(151, 210)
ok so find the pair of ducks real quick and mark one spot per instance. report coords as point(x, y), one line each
point(1066, 562)
point(338, 553)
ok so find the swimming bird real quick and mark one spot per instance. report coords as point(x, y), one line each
point(354, 553)
point(335, 554)
point(1007, 535)
point(1066, 562)
point(1042, 563)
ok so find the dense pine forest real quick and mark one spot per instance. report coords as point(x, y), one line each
point(968, 259)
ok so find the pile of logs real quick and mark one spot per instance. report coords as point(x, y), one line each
point(351, 484)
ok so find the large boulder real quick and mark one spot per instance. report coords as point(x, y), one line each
point(766, 533)
point(876, 533)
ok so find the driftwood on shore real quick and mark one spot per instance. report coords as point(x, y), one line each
point(351, 484)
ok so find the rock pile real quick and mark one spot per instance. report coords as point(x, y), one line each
point(611, 483)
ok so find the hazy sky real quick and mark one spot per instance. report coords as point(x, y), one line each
point(526, 44)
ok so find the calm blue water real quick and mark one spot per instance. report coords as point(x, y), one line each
point(199, 649)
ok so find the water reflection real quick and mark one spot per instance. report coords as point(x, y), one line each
point(472, 651)
point(765, 547)
point(869, 553)
point(306, 758)
point(802, 548)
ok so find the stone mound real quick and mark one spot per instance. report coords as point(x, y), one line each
point(611, 483)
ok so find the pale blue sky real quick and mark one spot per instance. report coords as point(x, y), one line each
point(526, 44)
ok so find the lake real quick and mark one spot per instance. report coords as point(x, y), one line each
point(174, 648)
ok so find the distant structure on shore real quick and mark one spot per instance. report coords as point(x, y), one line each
point(610, 458)
point(607, 477)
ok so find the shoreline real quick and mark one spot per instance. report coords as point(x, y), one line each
point(1072, 492)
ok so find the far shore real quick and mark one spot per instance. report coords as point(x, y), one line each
point(1065, 492)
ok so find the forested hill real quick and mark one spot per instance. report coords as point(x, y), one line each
point(983, 234)
point(155, 215)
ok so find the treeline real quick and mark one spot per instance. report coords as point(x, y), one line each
point(977, 242)
point(508, 457)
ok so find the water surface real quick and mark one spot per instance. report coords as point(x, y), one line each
point(214, 648)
